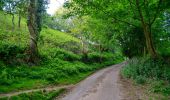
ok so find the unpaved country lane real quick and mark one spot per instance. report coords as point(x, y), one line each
point(102, 85)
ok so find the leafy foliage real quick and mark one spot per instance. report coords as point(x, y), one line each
point(60, 58)
point(149, 68)
point(156, 72)
point(50, 72)
point(98, 32)
point(132, 42)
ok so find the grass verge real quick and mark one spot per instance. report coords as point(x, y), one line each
point(39, 95)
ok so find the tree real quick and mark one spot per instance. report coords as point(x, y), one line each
point(21, 10)
point(147, 21)
point(133, 38)
point(57, 21)
point(14, 7)
point(35, 11)
point(10, 8)
point(136, 13)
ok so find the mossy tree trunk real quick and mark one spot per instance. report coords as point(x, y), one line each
point(147, 32)
point(33, 30)
point(149, 41)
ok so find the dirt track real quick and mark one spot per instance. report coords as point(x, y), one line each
point(103, 85)
point(106, 84)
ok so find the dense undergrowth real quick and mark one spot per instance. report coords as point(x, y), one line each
point(57, 67)
point(60, 68)
point(61, 62)
point(153, 72)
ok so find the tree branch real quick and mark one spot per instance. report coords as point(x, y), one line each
point(135, 15)
point(140, 12)
point(157, 12)
point(125, 22)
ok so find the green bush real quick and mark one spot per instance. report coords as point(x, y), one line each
point(12, 54)
point(7, 51)
point(5, 78)
point(143, 69)
point(50, 72)
point(160, 86)
point(61, 54)
point(96, 57)
point(140, 80)
point(147, 67)
point(57, 62)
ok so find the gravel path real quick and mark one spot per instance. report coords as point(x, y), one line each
point(102, 85)
point(106, 84)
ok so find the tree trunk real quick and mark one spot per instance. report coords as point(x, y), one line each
point(149, 41)
point(147, 32)
point(32, 27)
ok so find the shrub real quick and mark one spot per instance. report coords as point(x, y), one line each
point(61, 54)
point(129, 71)
point(7, 51)
point(35, 75)
point(50, 77)
point(5, 78)
point(81, 67)
point(140, 80)
point(68, 69)
point(12, 54)
point(160, 87)
point(147, 68)
point(157, 71)
point(100, 57)
point(95, 57)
